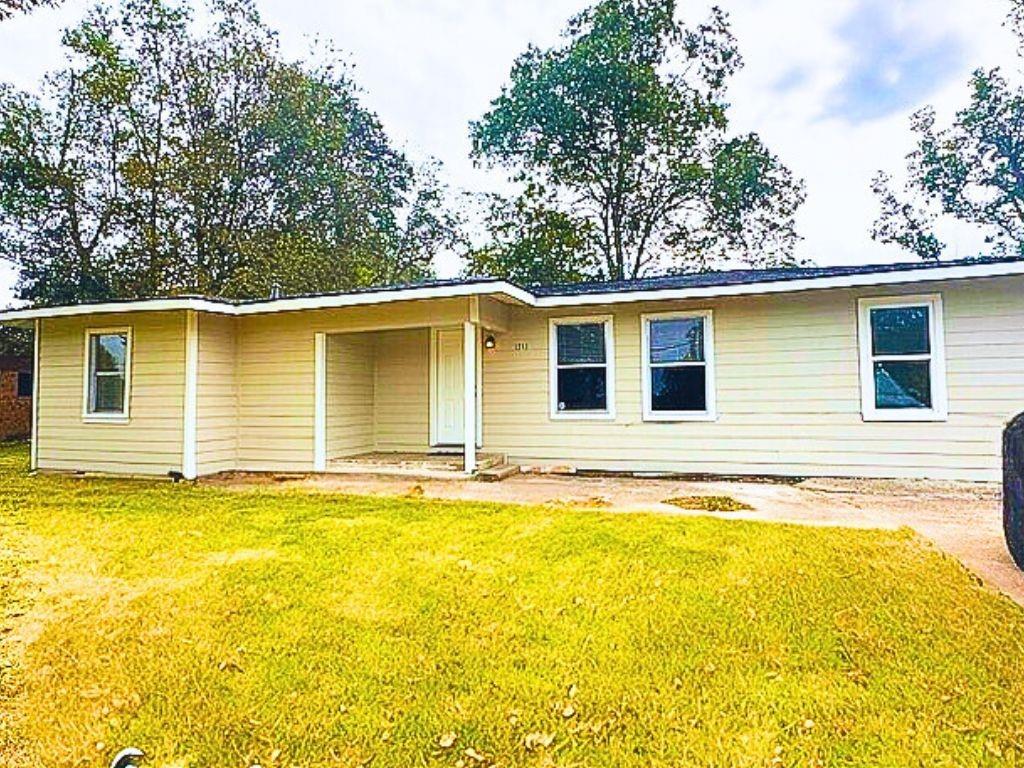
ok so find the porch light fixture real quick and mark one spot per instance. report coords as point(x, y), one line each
point(489, 342)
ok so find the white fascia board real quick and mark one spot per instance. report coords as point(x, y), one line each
point(118, 307)
point(523, 296)
point(385, 296)
point(497, 288)
point(906, 277)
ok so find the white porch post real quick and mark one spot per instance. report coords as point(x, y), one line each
point(320, 402)
point(469, 395)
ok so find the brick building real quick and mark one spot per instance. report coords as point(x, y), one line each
point(15, 397)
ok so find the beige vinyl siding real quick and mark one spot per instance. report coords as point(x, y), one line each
point(402, 390)
point(788, 391)
point(150, 442)
point(276, 387)
point(217, 401)
point(350, 389)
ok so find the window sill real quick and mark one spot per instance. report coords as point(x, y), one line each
point(581, 416)
point(907, 416)
point(680, 416)
point(95, 418)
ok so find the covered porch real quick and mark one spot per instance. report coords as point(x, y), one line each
point(401, 400)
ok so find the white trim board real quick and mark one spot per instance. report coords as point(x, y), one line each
point(294, 304)
point(190, 428)
point(34, 447)
point(519, 295)
point(319, 402)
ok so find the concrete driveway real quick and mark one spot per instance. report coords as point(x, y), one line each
point(963, 519)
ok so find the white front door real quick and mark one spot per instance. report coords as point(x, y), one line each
point(450, 378)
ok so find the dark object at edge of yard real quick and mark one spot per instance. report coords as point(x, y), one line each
point(709, 503)
point(1013, 489)
point(127, 758)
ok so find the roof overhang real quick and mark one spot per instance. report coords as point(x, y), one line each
point(508, 292)
point(925, 274)
point(499, 289)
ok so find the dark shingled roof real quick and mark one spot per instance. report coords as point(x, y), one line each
point(746, 276)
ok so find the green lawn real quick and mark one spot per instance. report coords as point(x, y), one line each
point(225, 628)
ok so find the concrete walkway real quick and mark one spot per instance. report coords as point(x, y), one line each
point(963, 519)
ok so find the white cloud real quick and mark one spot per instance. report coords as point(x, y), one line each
point(430, 66)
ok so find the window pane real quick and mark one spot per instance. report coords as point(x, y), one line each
point(108, 352)
point(903, 384)
point(900, 331)
point(24, 384)
point(679, 388)
point(677, 341)
point(108, 394)
point(582, 389)
point(580, 344)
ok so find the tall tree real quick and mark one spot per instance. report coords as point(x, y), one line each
point(163, 161)
point(971, 170)
point(624, 127)
point(532, 242)
point(9, 8)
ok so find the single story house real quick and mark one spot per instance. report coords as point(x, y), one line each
point(902, 370)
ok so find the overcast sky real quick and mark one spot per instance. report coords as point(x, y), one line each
point(829, 85)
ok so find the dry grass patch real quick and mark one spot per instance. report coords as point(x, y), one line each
point(709, 503)
point(291, 628)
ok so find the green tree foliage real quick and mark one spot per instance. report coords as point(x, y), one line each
point(160, 161)
point(9, 8)
point(16, 341)
point(971, 170)
point(532, 243)
point(624, 127)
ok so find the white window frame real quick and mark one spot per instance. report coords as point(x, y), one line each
point(710, 413)
point(87, 365)
point(608, 413)
point(936, 358)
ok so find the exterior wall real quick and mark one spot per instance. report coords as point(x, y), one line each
point(402, 390)
point(151, 441)
point(350, 391)
point(788, 391)
point(276, 378)
point(15, 412)
point(217, 395)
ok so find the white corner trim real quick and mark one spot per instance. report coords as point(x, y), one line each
point(469, 352)
point(320, 402)
point(710, 412)
point(190, 430)
point(937, 360)
point(124, 415)
point(608, 414)
point(34, 448)
point(432, 387)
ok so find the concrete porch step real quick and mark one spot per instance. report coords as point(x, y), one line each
point(487, 461)
point(497, 473)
